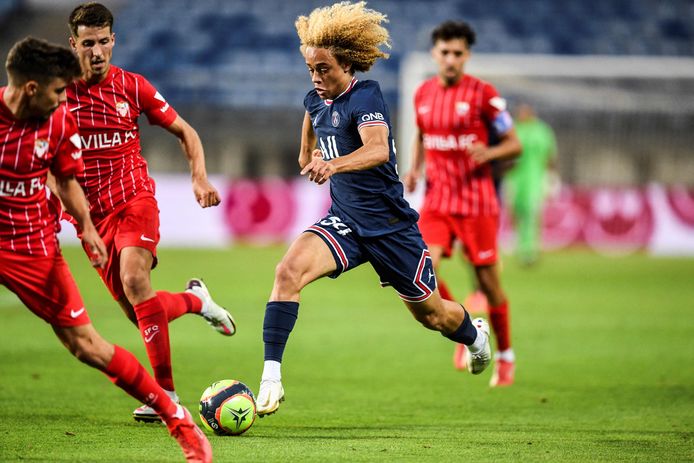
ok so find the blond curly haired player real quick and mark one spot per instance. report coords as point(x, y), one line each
point(347, 138)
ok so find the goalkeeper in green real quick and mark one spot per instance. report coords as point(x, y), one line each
point(526, 182)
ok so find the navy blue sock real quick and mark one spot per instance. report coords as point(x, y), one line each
point(280, 317)
point(466, 332)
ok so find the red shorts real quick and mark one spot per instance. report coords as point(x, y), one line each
point(477, 234)
point(136, 223)
point(45, 285)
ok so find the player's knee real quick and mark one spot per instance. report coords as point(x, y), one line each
point(134, 283)
point(287, 277)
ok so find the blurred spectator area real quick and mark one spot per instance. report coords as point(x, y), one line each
point(245, 53)
point(233, 69)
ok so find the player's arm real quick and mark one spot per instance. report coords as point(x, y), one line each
point(372, 153)
point(205, 194)
point(509, 147)
point(308, 142)
point(75, 203)
point(415, 172)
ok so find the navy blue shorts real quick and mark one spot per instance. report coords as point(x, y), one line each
point(401, 258)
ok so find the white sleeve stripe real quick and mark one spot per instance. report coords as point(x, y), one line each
point(371, 124)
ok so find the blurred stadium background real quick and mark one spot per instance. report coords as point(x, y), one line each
point(614, 78)
point(602, 343)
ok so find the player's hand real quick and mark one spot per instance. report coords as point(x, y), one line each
point(205, 194)
point(96, 247)
point(318, 170)
point(410, 181)
point(479, 152)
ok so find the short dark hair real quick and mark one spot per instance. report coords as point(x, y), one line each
point(450, 30)
point(90, 14)
point(36, 59)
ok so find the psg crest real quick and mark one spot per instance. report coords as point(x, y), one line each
point(335, 118)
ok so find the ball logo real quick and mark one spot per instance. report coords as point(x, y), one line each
point(122, 108)
point(240, 415)
point(335, 119)
point(40, 148)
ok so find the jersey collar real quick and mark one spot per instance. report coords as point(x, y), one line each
point(107, 80)
point(349, 87)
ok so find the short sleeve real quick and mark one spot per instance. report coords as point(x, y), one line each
point(68, 154)
point(368, 108)
point(307, 102)
point(494, 110)
point(153, 105)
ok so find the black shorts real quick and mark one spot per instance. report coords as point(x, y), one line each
point(401, 258)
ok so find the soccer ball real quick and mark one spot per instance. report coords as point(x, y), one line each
point(227, 407)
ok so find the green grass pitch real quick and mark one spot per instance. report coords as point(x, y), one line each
point(605, 372)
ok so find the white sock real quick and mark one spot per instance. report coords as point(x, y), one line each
point(173, 396)
point(180, 414)
point(506, 355)
point(272, 371)
point(479, 343)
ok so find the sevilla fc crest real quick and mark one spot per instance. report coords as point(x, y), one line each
point(40, 148)
point(122, 108)
point(462, 107)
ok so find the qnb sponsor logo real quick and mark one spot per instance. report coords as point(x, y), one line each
point(372, 117)
point(107, 140)
point(449, 142)
point(21, 188)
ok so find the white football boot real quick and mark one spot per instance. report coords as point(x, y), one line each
point(478, 362)
point(146, 414)
point(270, 394)
point(217, 316)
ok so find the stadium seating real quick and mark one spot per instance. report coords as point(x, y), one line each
point(245, 54)
point(7, 7)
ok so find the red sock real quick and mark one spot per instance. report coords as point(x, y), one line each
point(127, 373)
point(177, 304)
point(154, 328)
point(500, 325)
point(443, 290)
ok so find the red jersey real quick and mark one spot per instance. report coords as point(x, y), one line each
point(28, 149)
point(106, 113)
point(451, 119)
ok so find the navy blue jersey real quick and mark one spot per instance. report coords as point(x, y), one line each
point(369, 201)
